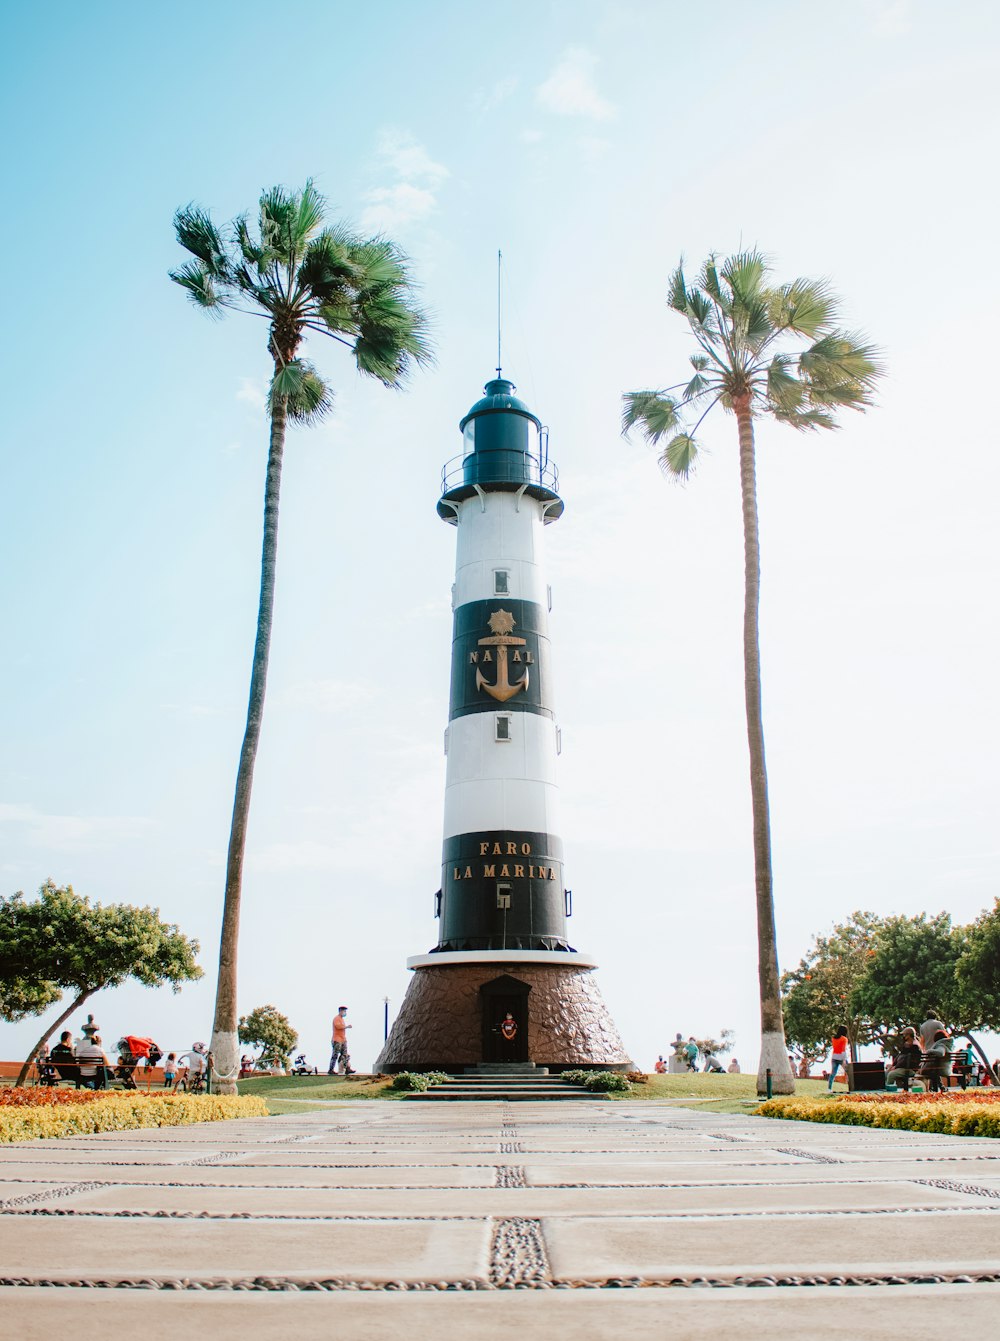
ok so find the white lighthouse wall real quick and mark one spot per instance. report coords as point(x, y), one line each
point(500, 530)
point(494, 783)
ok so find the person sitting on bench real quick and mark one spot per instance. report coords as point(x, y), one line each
point(906, 1062)
point(63, 1058)
point(936, 1064)
point(93, 1064)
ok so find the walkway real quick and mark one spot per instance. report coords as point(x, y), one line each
point(410, 1219)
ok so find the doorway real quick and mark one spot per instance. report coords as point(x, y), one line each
point(504, 1004)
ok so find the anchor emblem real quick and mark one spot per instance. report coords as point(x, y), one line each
point(502, 622)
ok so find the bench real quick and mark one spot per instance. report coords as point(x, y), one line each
point(961, 1072)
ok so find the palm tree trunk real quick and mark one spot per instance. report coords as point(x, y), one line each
point(75, 1005)
point(773, 1051)
point(225, 1044)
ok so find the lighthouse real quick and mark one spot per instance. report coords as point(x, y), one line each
point(503, 983)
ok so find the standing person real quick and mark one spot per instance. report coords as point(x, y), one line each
point(838, 1051)
point(169, 1070)
point(691, 1053)
point(340, 1053)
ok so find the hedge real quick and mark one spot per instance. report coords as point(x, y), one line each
point(965, 1115)
point(32, 1120)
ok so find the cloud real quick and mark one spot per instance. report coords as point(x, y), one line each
point(531, 136)
point(253, 390)
point(328, 695)
point(413, 195)
point(65, 833)
point(570, 91)
point(500, 92)
point(894, 20)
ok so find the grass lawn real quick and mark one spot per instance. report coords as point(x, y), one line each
point(716, 1094)
point(284, 1094)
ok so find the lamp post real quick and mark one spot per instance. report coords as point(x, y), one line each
point(385, 1034)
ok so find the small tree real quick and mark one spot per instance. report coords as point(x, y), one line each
point(724, 1043)
point(818, 996)
point(911, 976)
point(62, 942)
point(978, 972)
point(269, 1030)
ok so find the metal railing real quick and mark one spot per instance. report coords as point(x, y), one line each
point(535, 470)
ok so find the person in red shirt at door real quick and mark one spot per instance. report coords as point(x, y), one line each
point(340, 1053)
point(838, 1052)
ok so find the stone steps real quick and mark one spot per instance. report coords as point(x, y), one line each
point(517, 1083)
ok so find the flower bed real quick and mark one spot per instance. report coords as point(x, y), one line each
point(967, 1113)
point(27, 1115)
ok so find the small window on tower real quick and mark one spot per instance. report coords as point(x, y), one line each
point(504, 891)
point(501, 582)
point(503, 726)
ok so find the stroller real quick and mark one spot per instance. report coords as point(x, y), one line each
point(302, 1068)
point(130, 1051)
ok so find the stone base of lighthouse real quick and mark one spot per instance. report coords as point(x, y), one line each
point(450, 1015)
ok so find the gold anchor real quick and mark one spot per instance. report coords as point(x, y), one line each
point(501, 622)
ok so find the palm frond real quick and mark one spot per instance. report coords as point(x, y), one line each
point(308, 399)
point(745, 273)
point(252, 252)
point(277, 214)
point(784, 390)
point(806, 306)
point(709, 281)
point(677, 289)
point(200, 286)
point(653, 413)
point(311, 207)
point(806, 420)
point(841, 358)
point(392, 337)
point(678, 457)
point(198, 234)
point(700, 362)
point(700, 313)
point(697, 388)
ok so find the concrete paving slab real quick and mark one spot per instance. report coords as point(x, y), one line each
point(829, 1314)
point(599, 1249)
point(376, 1250)
point(490, 1200)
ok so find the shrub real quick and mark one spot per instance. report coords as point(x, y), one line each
point(81, 1113)
point(959, 1115)
point(606, 1081)
point(419, 1080)
point(636, 1077)
point(574, 1077)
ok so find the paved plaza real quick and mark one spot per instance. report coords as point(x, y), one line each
point(560, 1220)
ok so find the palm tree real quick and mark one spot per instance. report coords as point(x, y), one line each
point(303, 278)
point(763, 349)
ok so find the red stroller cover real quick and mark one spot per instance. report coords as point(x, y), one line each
point(139, 1047)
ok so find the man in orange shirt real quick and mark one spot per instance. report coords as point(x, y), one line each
point(340, 1053)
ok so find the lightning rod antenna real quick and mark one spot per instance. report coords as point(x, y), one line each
point(499, 311)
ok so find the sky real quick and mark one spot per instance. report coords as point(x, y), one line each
point(595, 144)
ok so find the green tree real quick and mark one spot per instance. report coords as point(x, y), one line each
point(978, 973)
point(911, 976)
point(269, 1030)
point(763, 349)
point(304, 279)
point(62, 942)
point(819, 996)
